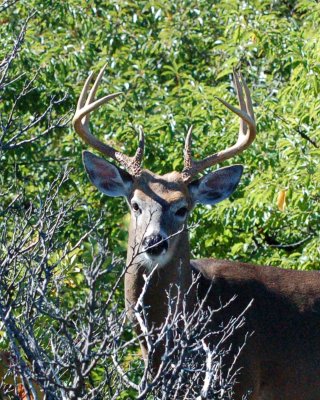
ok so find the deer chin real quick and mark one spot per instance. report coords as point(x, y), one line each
point(151, 261)
point(158, 260)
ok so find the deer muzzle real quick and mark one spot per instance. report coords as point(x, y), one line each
point(155, 245)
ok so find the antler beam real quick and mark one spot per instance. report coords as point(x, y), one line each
point(247, 133)
point(86, 104)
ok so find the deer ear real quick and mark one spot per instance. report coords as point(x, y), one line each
point(216, 186)
point(109, 179)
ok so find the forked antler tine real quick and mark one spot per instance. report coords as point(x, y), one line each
point(240, 113)
point(82, 112)
point(81, 124)
point(247, 133)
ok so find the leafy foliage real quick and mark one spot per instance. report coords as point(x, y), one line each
point(171, 59)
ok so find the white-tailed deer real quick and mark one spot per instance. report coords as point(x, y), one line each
point(281, 360)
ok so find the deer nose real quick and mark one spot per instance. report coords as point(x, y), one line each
point(155, 244)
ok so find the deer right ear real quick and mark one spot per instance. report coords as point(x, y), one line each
point(216, 186)
point(109, 179)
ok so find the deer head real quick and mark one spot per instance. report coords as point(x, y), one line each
point(160, 205)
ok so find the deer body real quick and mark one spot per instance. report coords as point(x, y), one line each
point(282, 357)
point(281, 360)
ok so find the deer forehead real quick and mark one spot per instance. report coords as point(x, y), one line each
point(166, 189)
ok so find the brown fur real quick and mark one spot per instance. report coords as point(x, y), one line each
point(281, 360)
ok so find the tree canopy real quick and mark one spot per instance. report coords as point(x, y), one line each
point(171, 59)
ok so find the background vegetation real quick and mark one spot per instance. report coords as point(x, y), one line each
point(170, 59)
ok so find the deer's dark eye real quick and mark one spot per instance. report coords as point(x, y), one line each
point(135, 206)
point(182, 212)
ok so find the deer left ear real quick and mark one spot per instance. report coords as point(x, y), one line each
point(109, 179)
point(216, 186)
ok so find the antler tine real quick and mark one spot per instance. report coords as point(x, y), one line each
point(247, 133)
point(81, 119)
point(140, 150)
point(187, 150)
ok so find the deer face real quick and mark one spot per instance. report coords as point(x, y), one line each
point(159, 205)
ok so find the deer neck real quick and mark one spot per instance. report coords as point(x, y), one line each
point(171, 278)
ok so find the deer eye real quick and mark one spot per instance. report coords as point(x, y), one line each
point(182, 212)
point(135, 206)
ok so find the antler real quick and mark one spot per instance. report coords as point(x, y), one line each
point(85, 105)
point(247, 134)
